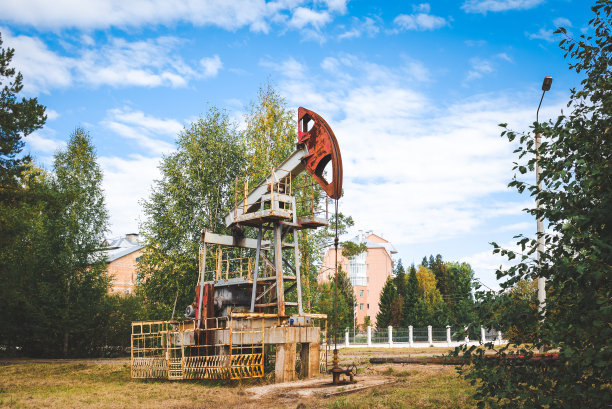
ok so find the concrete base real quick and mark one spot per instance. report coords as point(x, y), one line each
point(273, 334)
point(310, 358)
point(285, 363)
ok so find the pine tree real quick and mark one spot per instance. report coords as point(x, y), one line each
point(400, 279)
point(410, 312)
point(388, 297)
point(17, 120)
point(424, 262)
point(438, 267)
point(20, 200)
point(419, 315)
point(345, 308)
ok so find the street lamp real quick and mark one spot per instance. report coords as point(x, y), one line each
point(541, 280)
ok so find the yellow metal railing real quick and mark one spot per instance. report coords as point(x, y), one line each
point(234, 349)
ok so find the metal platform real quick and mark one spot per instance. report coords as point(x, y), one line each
point(257, 218)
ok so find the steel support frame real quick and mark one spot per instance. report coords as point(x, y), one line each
point(260, 245)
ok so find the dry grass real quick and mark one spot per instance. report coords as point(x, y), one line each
point(108, 385)
point(417, 386)
point(71, 385)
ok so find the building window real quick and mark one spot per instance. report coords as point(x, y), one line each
point(361, 293)
point(368, 306)
point(357, 269)
point(361, 307)
point(368, 293)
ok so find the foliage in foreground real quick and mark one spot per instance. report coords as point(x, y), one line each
point(576, 199)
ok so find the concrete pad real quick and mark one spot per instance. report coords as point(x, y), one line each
point(317, 387)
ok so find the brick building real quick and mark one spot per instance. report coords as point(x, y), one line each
point(122, 257)
point(368, 273)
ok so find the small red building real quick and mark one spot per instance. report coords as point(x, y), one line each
point(122, 256)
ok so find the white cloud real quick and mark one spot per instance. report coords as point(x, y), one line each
point(368, 25)
point(420, 21)
point(521, 227)
point(117, 63)
point(414, 168)
point(504, 57)
point(303, 17)
point(128, 179)
point(140, 63)
point(257, 15)
point(51, 114)
point(543, 34)
point(42, 141)
point(337, 5)
point(126, 182)
point(422, 8)
point(211, 66)
point(479, 67)
point(42, 69)
point(483, 6)
point(418, 71)
point(148, 132)
point(289, 68)
point(562, 22)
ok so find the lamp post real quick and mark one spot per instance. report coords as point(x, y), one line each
point(540, 226)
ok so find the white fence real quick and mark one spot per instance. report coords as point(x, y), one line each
point(417, 338)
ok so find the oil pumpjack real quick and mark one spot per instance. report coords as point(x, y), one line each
point(246, 286)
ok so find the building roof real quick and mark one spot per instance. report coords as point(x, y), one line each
point(122, 246)
point(368, 238)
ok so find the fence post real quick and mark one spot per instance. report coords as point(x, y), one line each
point(467, 335)
point(429, 336)
point(369, 336)
point(499, 337)
point(448, 335)
point(410, 339)
point(483, 338)
point(390, 336)
point(346, 338)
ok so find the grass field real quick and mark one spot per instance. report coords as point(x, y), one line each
point(107, 384)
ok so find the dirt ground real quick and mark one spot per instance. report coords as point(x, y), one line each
point(106, 383)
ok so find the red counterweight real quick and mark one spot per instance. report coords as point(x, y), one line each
point(322, 148)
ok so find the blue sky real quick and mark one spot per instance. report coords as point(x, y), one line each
point(413, 90)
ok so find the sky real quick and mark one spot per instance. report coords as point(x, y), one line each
point(414, 92)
